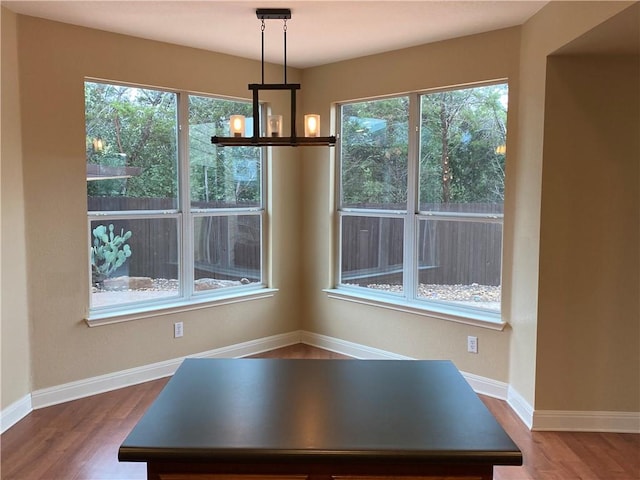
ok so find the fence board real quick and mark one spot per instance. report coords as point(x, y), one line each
point(450, 252)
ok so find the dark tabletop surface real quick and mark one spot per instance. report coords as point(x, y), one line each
point(254, 408)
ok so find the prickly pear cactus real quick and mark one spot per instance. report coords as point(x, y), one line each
point(109, 252)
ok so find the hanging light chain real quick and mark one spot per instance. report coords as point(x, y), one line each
point(284, 30)
point(262, 37)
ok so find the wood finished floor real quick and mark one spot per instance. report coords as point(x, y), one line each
point(79, 440)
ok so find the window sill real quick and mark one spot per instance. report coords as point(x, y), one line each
point(469, 317)
point(108, 318)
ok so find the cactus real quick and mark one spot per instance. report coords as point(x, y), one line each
point(109, 252)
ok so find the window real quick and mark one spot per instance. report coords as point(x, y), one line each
point(421, 192)
point(172, 218)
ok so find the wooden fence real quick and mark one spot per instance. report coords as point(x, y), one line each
point(450, 252)
point(225, 248)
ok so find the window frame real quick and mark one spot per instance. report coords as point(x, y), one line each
point(408, 301)
point(187, 297)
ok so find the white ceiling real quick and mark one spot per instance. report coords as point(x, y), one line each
point(319, 32)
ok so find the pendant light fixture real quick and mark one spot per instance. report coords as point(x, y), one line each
point(274, 135)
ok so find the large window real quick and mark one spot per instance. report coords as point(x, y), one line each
point(421, 199)
point(172, 218)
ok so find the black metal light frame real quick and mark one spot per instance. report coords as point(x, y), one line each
point(256, 140)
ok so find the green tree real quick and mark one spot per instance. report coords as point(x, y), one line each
point(221, 176)
point(461, 131)
point(460, 162)
point(375, 153)
point(137, 128)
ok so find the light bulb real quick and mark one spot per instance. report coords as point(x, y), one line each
point(275, 125)
point(236, 125)
point(311, 125)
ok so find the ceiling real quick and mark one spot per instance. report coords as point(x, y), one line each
point(319, 32)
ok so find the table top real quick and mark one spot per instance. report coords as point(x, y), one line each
point(252, 409)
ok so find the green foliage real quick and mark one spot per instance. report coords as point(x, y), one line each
point(221, 176)
point(375, 145)
point(109, 251)
point(138, 128)
point(460, 131)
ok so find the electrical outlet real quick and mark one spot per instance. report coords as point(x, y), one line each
point(472, 344)
point(178, 330)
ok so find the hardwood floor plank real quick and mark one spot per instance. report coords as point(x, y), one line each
point(79, 440)
point(301, 350)
point(567, 455)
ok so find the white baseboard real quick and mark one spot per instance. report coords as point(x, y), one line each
point(133, 376)
point(627, 422)
point(519, 405)
point(350, 349)
point(252, 347)
point(482, 385)
point(66, 392)
point(15, 412)
point(572, 421)
point(487, 386)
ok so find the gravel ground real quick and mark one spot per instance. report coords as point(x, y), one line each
point(474, 295)
point(469, 293)
point(117, 292)
point(483, 296)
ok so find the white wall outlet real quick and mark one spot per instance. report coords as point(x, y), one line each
point(472, 344)
point(178, 330)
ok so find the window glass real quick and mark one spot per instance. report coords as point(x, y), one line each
point(462, 165)
point(372, 252)
point(374, 147)
point(131, 145)
point(221, 177)
point(227, 251)
point(459, 263)
point(462, 150)
point(133, 260)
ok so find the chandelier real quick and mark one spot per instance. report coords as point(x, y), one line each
point(274, 123)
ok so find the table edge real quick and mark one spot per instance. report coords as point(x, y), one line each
point(256, 456)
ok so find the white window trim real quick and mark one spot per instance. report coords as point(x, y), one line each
point(467, 316)
point(138, 312)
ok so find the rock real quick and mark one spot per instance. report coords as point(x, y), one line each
point(127, 283)
point(212, 283)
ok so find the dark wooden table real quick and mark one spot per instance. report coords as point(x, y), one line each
point(318, 419)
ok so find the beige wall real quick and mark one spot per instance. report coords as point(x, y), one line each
point(15, 358)
point(589, 320)
point(553, 27)
point(55, 58)
point(478, 58)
